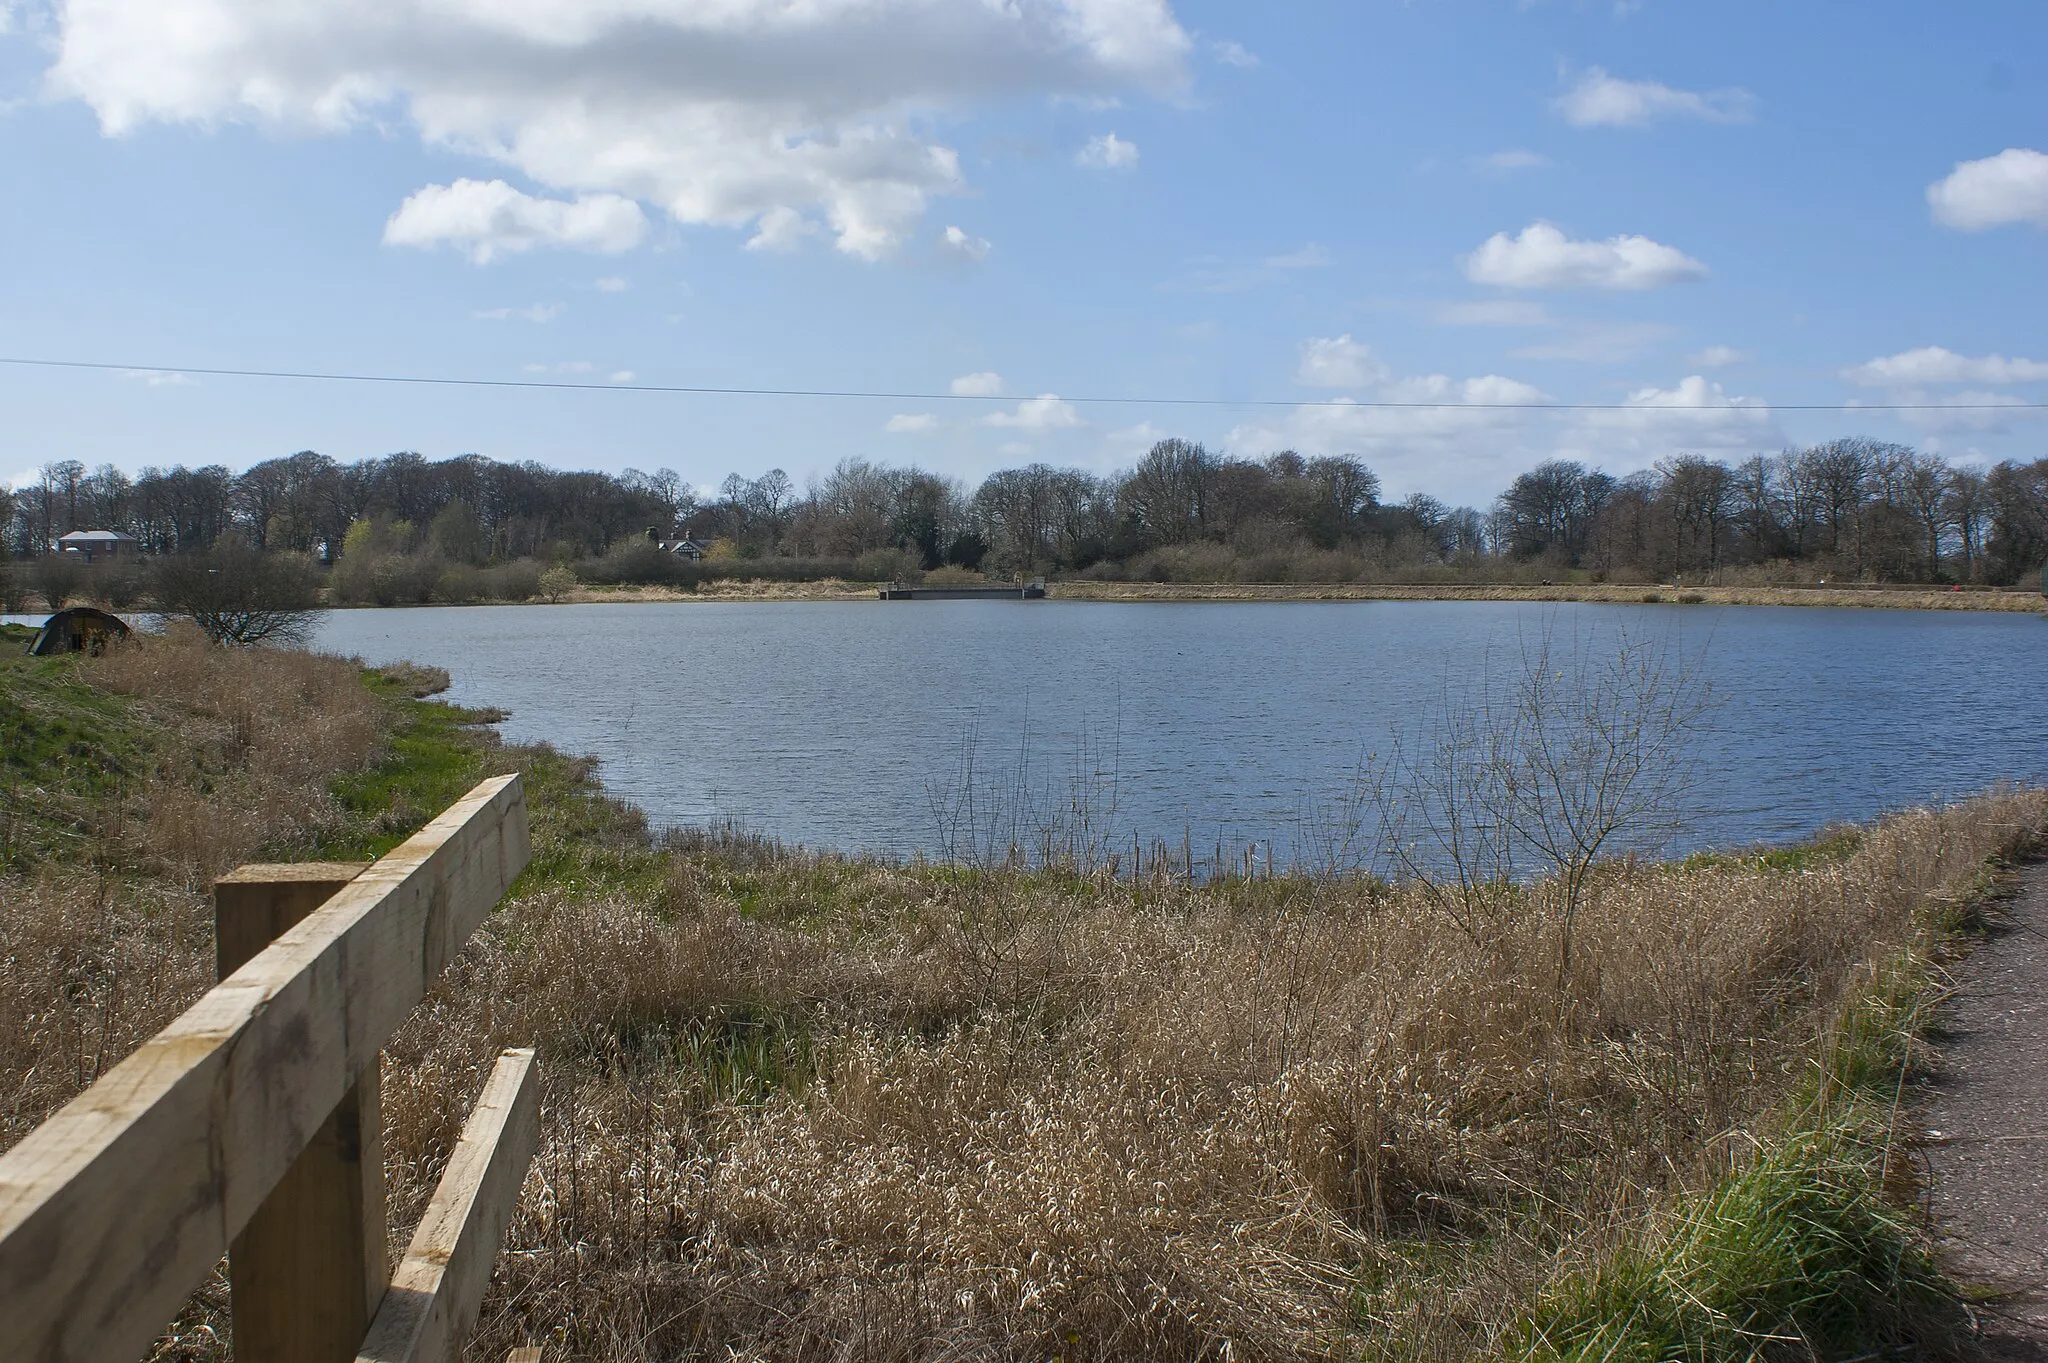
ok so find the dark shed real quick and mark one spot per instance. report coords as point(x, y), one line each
point(80, 629)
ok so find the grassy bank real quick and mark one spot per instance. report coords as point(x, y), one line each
point(1890, 598)
point(806, 1106)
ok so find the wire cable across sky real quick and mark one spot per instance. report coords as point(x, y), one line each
point(879, 395)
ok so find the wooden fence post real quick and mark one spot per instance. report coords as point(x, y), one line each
point(309, 1270)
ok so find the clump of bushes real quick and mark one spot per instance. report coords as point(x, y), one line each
point(887, 565)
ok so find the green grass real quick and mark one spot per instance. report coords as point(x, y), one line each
point(583, 841)
point(66, 752)
point(1800, 1255)
point(1829, 848)
point(1807, 1251)
point(433, 758)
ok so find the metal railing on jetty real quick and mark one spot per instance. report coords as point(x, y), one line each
point(252, 1127)
point(904, 591)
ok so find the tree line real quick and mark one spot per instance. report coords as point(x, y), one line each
point(406, 528)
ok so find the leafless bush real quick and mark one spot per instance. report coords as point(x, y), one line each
point(1576, 752)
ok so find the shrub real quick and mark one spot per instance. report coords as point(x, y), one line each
point(57, 578)
point(518, 580)
point(640, 562)
point(369, 577)
point(115, 583)
point(556, 583)
point(950, 576)
point(13, 590)
point(887, 565)
point(458, 582)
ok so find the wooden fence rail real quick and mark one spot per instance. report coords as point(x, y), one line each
point(115, 1209)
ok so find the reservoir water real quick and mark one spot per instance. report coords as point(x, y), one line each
point(907, 727)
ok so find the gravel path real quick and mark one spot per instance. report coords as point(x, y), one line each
point(1988, 1111)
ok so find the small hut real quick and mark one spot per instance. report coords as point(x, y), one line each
point(81, 629)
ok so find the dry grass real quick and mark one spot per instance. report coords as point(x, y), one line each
point(231, 754)
point(256, 738)
point(813, 1108)
point(839, 1110)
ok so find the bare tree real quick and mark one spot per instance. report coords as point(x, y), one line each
point(240, 595)
point(1577, 756)
point(1966, 507)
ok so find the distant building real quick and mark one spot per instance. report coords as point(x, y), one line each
point(93, 545)
point(693, 550)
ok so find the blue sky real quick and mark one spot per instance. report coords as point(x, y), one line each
point(1702, 214)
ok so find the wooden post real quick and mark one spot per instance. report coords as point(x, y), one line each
point(118, 1206)
point(309, 1270)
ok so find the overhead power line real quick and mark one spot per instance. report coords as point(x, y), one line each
point(708, 390)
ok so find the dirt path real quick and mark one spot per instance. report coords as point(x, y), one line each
point(1989, 1109)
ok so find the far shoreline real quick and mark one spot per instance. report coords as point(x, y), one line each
point(2008, 601)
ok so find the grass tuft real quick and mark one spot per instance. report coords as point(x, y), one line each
point(1801, 1255)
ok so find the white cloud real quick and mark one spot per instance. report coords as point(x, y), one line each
point(780, 229)
point(719, 113)
point(611, 283)
point(1415, 429)
point(538, 312)
point(1131, 441)
point(1543, 257)
point(2007, 188)
point(1338, 362)
point(1107, 152)
point(622, 376)
point(1603, 101)
point(491, 219)
point(159, 378)
point(1695, 415)
point(1691, 392)
point(910, 423)
point(1233, 54)
point(564, 367)
point(982, 385)
point(958, 243)
point(1717, 357)
point(1491, 390)
point(1046, 412)
point(1969, 410)
point(1933, 364)
point(1310, 257)
point(1413, 446)
point(1512, 160)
